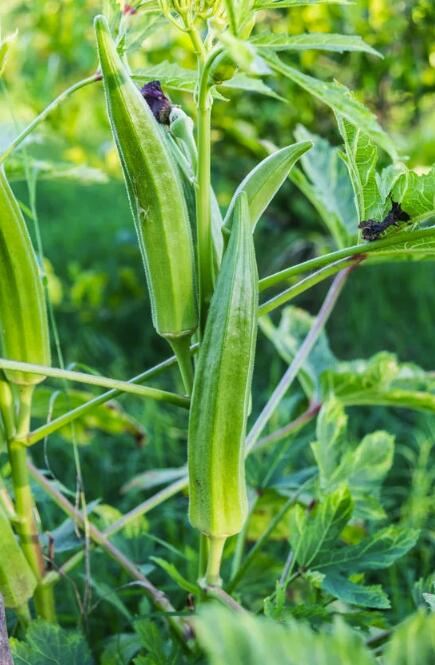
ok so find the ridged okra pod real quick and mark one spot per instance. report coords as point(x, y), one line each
point(156, 198)
point(221, 393)
point(24, 333)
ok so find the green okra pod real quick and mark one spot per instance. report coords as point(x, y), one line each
point(24, 334)
point(156, 198)
point(17, 581)
point(220, 399)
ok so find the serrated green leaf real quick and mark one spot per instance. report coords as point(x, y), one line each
point(416, 194)
point(376, 552)
point(330, 430)
point(241, 81)
point(120, 649)
point(287, 338)
point(319, 41)
point(239, 639)
point(354, 594)
point(175, 575)
point(413, 642)
point(277, 4)
point(361, 159)
point(17, 581)
point(263, 182)
point(48, 643)
point(314, 532)
point(243, 54)
point(327, 185)
point(338, 98)
point(380, 380)
point(170, 74)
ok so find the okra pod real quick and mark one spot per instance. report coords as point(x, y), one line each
point(221, 392)
point(156, 198)
point(24, 334)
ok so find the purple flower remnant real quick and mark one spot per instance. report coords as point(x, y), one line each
point(129, 10)
point(156, 99)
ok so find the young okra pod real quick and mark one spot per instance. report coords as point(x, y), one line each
point(156, 198)
point(221, 393)
point(24, 334)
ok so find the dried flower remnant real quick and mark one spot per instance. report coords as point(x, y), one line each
point(156, 99)
point(372, 230)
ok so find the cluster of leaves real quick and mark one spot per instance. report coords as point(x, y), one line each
point(335, 533)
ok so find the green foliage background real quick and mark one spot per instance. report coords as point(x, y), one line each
point(96, 277)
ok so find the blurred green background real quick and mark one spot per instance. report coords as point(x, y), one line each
point(95, 274)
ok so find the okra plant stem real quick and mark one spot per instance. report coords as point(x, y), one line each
point(203, 185)
point(24, 504)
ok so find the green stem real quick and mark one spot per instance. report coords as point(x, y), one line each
point(215, 552)
point(203, 186)
point(363, 248)
point(307, 283)
point(41, 117)
point(181, 348)
point(203, 556)
point(83, 409)
point(102, 381)
point(24, 505)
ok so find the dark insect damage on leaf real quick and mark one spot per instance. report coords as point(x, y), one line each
point(156, 99)
point(371, 229)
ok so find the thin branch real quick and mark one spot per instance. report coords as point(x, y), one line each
point(81, 410)
point(299, 359)
point(347, 252)
point(48, 109)
point(92, 380)
point(296, 424)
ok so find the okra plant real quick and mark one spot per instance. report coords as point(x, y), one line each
point(208, 302)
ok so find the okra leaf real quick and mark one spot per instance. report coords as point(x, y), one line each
point(175, 575)
point(108, 594)
point(381, 380)
point(241, 638)
point(416, 194)
point(378, 551)
point(277, 4)
point(170, 74)
point(339, 98)
point(243, 54)
point(241, 81)
point(354, 594)
point(364, 469)
point(318, 41)
point(287, 337)
point(263, 182)
point(331, 429)
point(413, 642)
point(361, 158)
point(109, 417)
point(49, 643)
point(326, 184)
point(313, 532)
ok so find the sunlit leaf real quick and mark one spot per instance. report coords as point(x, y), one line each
point(338, 98)
point(326, 183)
point(413, 642)
point(319, 41)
